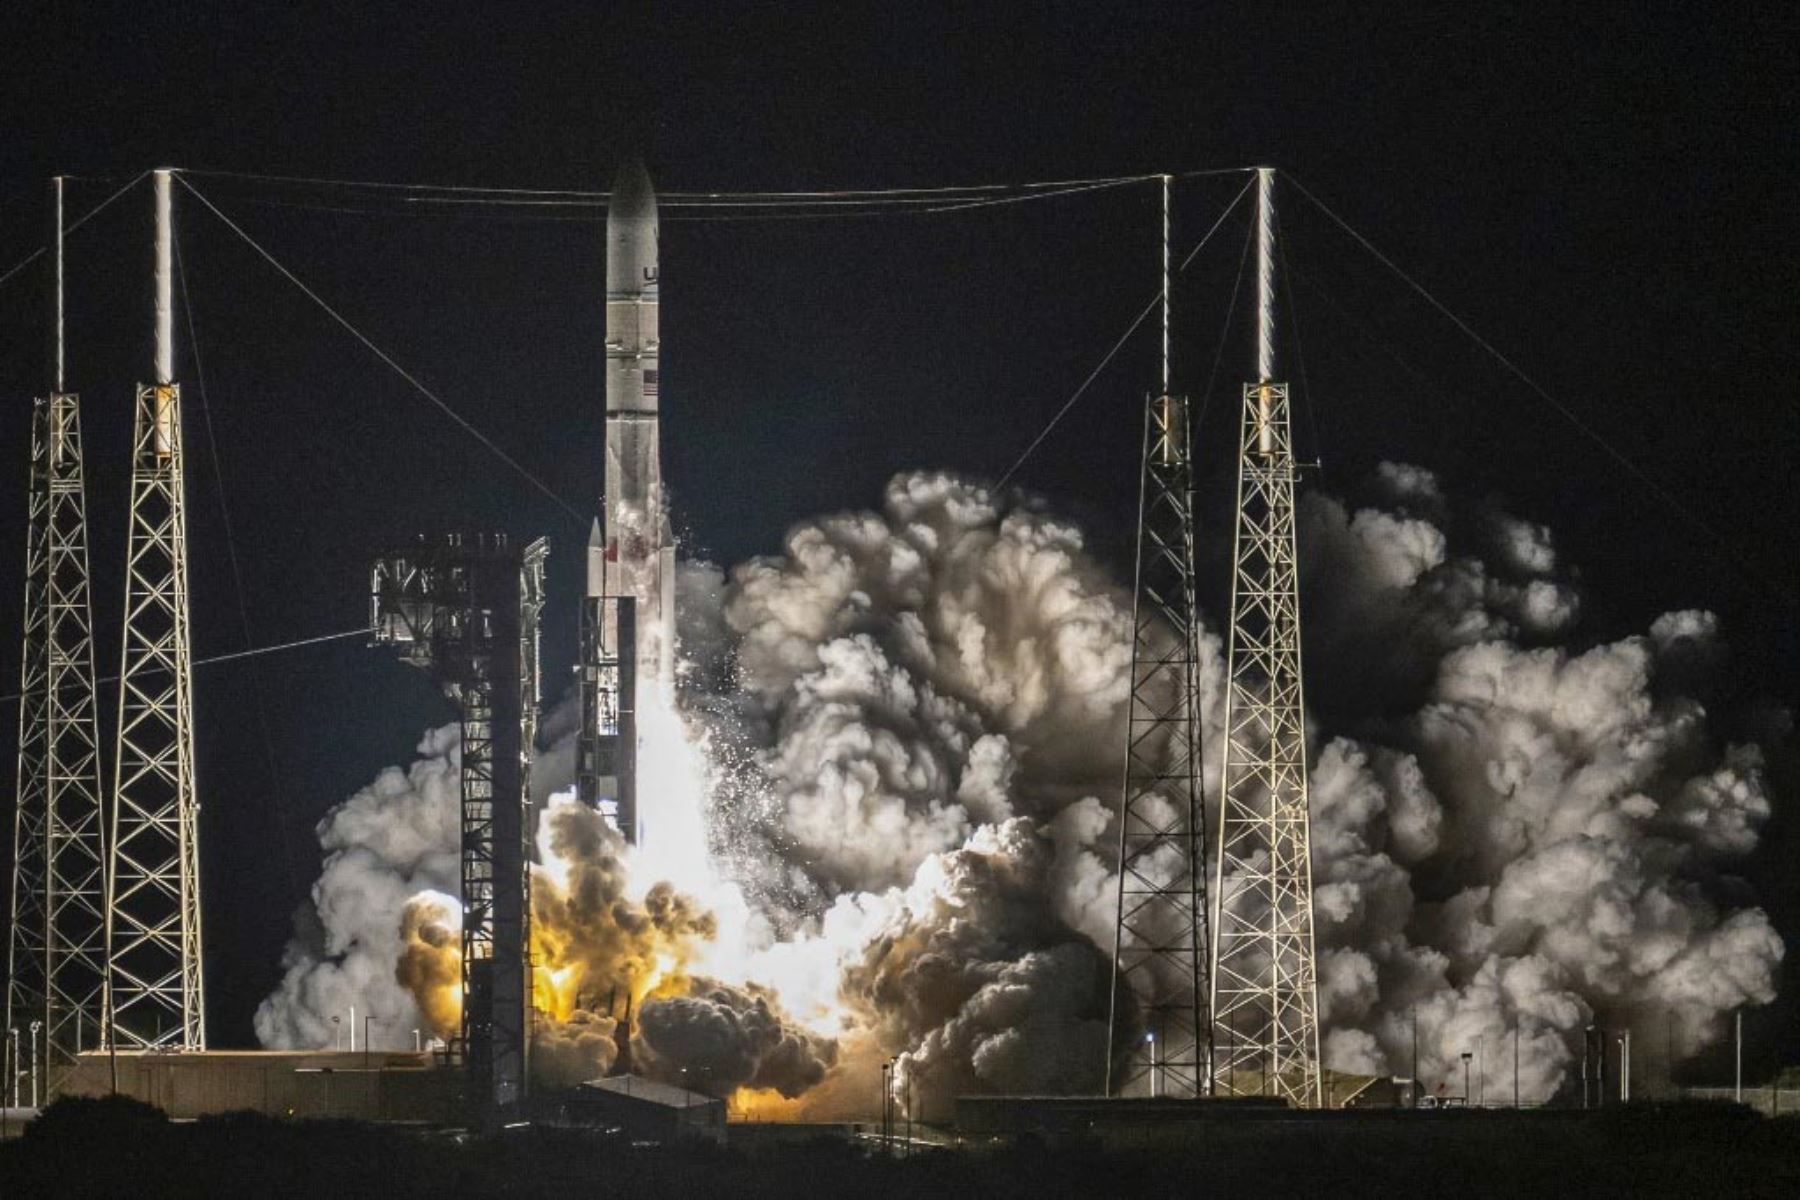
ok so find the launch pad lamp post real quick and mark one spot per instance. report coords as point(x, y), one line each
point(36, 1029)
point(337, 1025)
point(909, 1114)
point(1415, 1060)
point(887, 1068)
point(1625, 1067)
point(1466, 1057)
point(1737, 1085)
point(1515, 1066)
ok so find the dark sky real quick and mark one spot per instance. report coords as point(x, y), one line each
point(1605, 196)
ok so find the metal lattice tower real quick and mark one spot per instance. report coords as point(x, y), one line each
point(1159, 941)
point(56, 955)
point(1264, 975)
point(153, 885)
point(467, 610)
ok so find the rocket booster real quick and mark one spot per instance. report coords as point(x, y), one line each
point(628, 642)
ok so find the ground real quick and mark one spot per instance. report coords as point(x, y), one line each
point(118, 1148)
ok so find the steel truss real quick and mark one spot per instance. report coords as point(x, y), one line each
point(155, 982)
point(455, 608)
point(1264, 976)
point(56, 955)
point(1159, 942)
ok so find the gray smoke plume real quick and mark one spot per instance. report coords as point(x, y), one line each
point(914, 722)
point(385, 845)
point(717, 1038)
point(1516, 837)
point(1511, 832)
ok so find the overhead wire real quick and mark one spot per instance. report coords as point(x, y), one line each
point(1650, 484)
point(468, 426)
point(1287, 291)
point(1237, 287)
point(254, 652)
point(89, 215)
point(466, 189)
point(237, 577)
point(1142, 316)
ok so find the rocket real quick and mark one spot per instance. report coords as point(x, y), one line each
point(628, 618)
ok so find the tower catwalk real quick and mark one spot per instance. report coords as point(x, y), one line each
point(1264, 977)
point(56, 956)
point(155, 985)
point(467, 609)
point(1159, 941)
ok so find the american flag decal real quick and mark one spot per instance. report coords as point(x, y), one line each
point(650, 383)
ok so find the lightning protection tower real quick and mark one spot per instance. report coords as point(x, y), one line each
point(1264, 977)
point(466, 610)
point(156, 990)
point(1159, 941)
point(56, 955)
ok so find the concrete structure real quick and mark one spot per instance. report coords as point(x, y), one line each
point(1114, 1121)
point(643, 1110)
point(377, 1086)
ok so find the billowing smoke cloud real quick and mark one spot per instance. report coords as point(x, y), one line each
point(935, 667)
point(718, 1038)
point(906, 733)
point(1519, 837)
point(391, 841)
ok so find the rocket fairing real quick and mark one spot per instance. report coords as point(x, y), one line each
point(628, 625)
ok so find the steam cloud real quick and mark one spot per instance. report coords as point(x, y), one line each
point(911, 726)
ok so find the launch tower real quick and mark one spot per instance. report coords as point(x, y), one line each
point(1159, 942)
point(56, 954)
point(466, 610)
point(155, 985)
point(1264, 976)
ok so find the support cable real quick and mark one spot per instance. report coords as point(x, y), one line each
point(72, 226)
point(254, 652)
point(467, 426)
point(1640, 474)
point(1237, 287)
point(1118, 345)
point(1287, 292)
point(237, 578)
point(585, 193)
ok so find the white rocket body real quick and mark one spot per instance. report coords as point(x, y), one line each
point(631, 557)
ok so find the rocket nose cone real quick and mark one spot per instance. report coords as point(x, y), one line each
point(632, 196)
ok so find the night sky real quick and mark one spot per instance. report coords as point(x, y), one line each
point(1606, 198)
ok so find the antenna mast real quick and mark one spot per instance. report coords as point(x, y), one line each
point(1159, 940)
point(156, 987)
point(56, 954)
point(1264, 975)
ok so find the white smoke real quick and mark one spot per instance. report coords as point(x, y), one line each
point(1519, 839)
point(391, 841)
point(902, 738)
